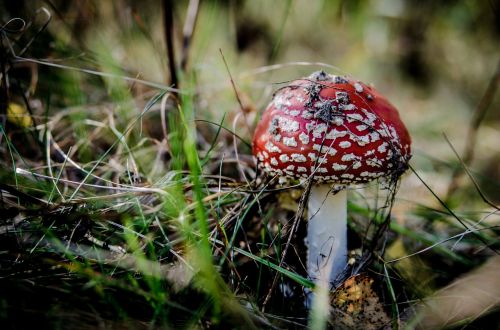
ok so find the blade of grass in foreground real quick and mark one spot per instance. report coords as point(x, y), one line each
point(394, 304)
point(208, 278)
point(293, 276)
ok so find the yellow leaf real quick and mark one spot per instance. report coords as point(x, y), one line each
point(19, 115)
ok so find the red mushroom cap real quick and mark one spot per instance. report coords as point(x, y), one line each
point(333, 129)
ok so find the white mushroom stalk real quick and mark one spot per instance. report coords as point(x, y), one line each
point(326, 232)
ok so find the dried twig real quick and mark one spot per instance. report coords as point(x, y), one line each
point(168, 26)
point(188, 31)
point(469, 174)
point(471, 136)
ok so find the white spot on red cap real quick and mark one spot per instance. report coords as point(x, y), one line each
point(345, 144)
point(361, 140)
point(338, 121)
point(334, 133)
point(307, 115)
point(374, 136)
point(312, 156)
point(374, 162)
point(358, 87)
point(384, 131)
point(304, 138)
point(354, 117)
point(284, 158)
point(339, 167)
point(288, 125)
point(319, 129)
point(349, 157)
point(370, 117)
point(324, 149)
point(289, 141)
point(271, 147)
point(394, 133)
point(383, 147)
point(299, 158)
point(332, 151)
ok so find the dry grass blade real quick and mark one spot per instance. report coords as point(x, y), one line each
point(242, 108)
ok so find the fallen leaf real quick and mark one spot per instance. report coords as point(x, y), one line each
point(355, 305)
point(18, 115)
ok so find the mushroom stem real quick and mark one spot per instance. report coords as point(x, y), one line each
point(326, 233)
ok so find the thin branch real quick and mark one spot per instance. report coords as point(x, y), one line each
point(188, 31)
point(469, 174)
point(475, 123)
point(168, 26)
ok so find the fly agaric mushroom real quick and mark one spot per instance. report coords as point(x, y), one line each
point(334, 131)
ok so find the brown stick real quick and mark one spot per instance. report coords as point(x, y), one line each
point(168, 25)
point(188, 31)
point(474, 125)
